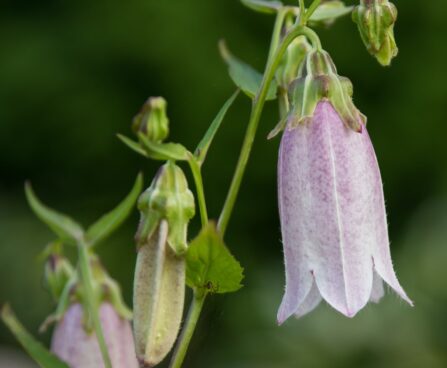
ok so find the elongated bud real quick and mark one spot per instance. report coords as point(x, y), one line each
point(58, 271)
point(375, 20)
point(152, 120)
point(159, 292)
point(79, 347)
point(319, 81)
point(167, 198)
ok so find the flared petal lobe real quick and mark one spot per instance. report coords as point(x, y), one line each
point(333, 219)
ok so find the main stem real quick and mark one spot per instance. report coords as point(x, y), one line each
point(92, 303)
point(191, 322)
point(258, 105)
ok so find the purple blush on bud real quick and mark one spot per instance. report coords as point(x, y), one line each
point(333, 219)
point(71, 343)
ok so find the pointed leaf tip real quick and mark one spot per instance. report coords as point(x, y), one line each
point(108, 223)
point(62, 225)
point(243, 75)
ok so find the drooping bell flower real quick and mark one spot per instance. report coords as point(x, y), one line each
point(74, 339)
point(331, 202)
point(80, 349)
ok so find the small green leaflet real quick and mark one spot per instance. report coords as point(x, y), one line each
point(164, 151)
point(134, 146)
point(33, 347)
point(328, 12)
point(210, 267)
point(110, 221)
point(261, 6)
point(66, 228)
point(202, 148)
point(244, 76)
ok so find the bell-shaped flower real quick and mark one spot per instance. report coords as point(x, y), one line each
point(79, 348)
point(331, 201)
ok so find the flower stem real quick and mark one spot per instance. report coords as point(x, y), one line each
point(310, 11)
point(197, 175)
point(302, 12)
point(188, 330)
point(92, 305)
point(257, 107)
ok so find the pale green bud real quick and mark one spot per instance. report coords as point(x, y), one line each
point(375, 20)
point(152, 120)
point(158, 297)
point(167, 198)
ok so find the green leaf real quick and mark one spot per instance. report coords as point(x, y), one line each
point(34, 348)
point(112, 220)
point(63, 226)
point(204, 145)
point(210, 267)
point(134, 146)
point(244, 76)
point(267, 7)
point(164, 151)
point(328, 12)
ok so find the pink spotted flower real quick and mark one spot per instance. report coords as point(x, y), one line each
point(331, 203)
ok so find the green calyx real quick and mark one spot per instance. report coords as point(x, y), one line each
point(375, 20)
point(152, 120)
point(168, 198)
point(317, 81)
point(292, 60)
point(66, 287)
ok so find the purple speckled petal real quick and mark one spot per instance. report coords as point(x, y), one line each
point(291, 184)
point(333, 217)
point(72, 344)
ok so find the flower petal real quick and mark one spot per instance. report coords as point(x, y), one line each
point(332, 206)
point(380, 247)
point(291, 182)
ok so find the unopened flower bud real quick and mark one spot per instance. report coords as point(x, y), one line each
point(158, 297)
point(152, 120)
point(79, 348)
point(318, 81)
point(375, 20)
point(58, 271)
point(167, 198)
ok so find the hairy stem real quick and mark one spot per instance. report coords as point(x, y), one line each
point(257, 107)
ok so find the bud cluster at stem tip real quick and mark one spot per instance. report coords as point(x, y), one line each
point(375, 20)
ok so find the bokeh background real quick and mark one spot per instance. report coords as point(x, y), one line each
point(73, 74)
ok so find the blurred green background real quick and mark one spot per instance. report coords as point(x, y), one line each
point(74, 73)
